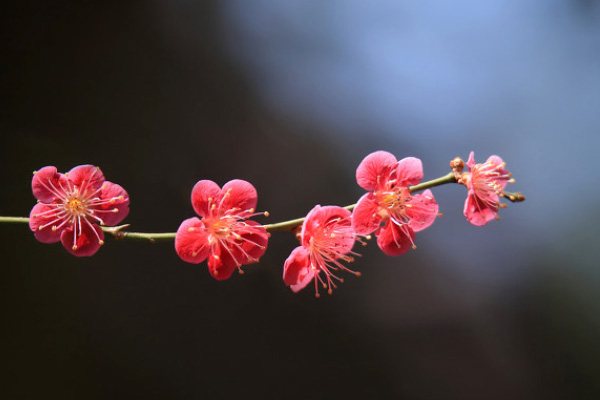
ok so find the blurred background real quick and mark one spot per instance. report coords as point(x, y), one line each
point(291, 96)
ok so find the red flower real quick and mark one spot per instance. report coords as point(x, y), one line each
point(326, 239)
point(485, 183)
point(390, 202)
point(70, 207)
point(224, 235)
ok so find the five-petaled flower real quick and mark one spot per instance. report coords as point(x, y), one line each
point(224, 235)
point(326, 238)
point(391, 203)
point(485, 183)
point(71, 207)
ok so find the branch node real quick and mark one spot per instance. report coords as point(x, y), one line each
point(117, 231)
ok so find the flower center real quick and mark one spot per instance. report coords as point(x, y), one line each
point(395, 197)
point(75, 207)
point(328, 246)
point(222, 227)
point(485, 180)
point(393, 201)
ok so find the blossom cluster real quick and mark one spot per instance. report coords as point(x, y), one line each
point(74, 207)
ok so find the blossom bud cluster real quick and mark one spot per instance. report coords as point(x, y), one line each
point(73, 207)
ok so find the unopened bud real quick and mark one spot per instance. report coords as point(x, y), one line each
point(457, 164)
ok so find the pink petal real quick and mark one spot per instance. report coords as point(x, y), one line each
point(88, 242)
point(191, 241)
point(106, 211)
point(327, 213)
point(37, 218)
point(87, 177)
point(505, 175)
point(297, 271)
point(204, 194)
point(46, 184)
point(409, 171)
point(309, 225)
point(477, 212)
point(331, 227)
point(471, 161)
point(338, 219)
point(319, 216)
point(423, 212)
point(374, 171)
point(496, 160)
point(365, 217)
point(345, 234)
point(222, 266)
point(247, 249)
point(239, 194)
point(254, 242)
point(394, 240)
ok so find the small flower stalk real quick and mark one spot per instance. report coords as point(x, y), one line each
point(72, 206)
point(326, 240)
point(224, 234)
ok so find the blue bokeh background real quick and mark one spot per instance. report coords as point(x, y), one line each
point(436, 79)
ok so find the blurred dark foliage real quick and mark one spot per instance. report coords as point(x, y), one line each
point(106, 83)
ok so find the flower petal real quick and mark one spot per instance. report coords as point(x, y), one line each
point(409, 171)
point(43, 214)
point(88, 242)
point(365, 217)
point(253, 243)
point(495, 160)
point(220, 264)
point(308, 226)
point(88, 178)
point(46, 184)
point(191, 241)
point(239, 194)
point(297, 271)
point(337, 225)
point(423, 210)
point(394, 240)
point(248, 247)
point(477, 212)
point(471, 161)
point(204, 194)
point(374, 170)
point(119, 202)
point(503, 174)
point(320, 216)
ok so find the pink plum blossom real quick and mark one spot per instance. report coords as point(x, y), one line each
point(223, 234)
point(390, 209)
point(72, 206)
point(485, 183)
point(326, 239)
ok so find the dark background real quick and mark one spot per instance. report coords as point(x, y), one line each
point(161, 94)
